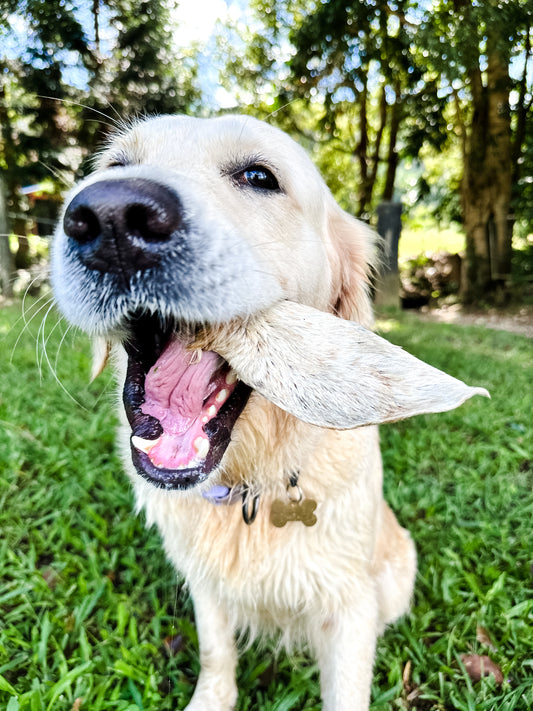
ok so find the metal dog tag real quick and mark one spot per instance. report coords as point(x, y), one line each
point(283, 511)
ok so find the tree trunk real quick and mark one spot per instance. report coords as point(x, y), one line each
point(486, 185)
point(361, 152)
point(392, 153)
point(6, 258)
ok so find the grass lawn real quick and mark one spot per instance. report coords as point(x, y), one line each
point(431, 239)
point(87, 599)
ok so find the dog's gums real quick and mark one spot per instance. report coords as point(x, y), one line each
point(181, 409)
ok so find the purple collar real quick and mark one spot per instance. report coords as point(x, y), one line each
point(221, 494)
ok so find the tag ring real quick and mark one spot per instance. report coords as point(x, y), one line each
point(299, 491)
point(249, 512)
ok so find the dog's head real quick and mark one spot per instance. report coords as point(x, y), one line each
point(197, 222)
point(204, 220)
point(188, 225)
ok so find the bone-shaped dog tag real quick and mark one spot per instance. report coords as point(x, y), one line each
point(283, 511)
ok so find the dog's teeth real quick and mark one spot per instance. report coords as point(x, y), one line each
point(196, 356)
point(231, 378)
point(201, 446)
point(211, 411)
point(222, 396)
point(144, 445)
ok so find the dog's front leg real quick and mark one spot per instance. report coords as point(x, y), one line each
point(216, 689)
point(345, 647)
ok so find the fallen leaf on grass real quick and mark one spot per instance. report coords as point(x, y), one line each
point(483, 636)
point(112, 575)
point(268, 676)
point(406, 676)
point(477, 666)
point(76, 706)
point(411, 692)
point(173, 644)
point(50, 576)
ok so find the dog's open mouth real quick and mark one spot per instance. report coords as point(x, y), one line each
point(181, 404)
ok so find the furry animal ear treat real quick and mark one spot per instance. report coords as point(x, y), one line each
point(331, 372)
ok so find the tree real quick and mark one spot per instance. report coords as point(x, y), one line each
point(472, 45)
point(35, 121)
point(353, 61)
point(6, 261)
point(47, 117)
point(139, 71)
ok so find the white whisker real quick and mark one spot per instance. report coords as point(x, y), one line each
point(24, 311)
point(45, 342)
point(111, 122)
point(281, 108)
point(120, 118)
point(26, 327)
point(52, 370)
point(69, 328)
point(60, 175)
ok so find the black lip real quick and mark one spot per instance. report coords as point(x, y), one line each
point(218, 430)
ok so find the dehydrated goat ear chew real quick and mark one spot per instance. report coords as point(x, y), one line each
point(331, 372)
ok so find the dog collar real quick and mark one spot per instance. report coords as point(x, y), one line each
point(294, 509)
point(220, 494)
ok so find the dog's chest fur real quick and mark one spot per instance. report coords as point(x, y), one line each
point(267, 575)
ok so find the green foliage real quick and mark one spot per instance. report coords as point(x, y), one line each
point(523, 191)
point(61, 95)
point(458, 40)
point(145, 74)
point(87, 598)
point(355, 62)
point(387, 82)
point(523, 267)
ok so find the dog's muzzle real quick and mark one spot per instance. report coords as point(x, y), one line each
point(148, 240)
point(122, 226)
point(147, 261)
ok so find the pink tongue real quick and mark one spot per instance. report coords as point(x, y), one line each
point(175, 390)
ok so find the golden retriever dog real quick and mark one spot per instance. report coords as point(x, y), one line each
point(210, 258)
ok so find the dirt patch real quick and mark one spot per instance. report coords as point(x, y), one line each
point(518, 321)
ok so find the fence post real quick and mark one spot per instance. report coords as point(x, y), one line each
point(389, 228)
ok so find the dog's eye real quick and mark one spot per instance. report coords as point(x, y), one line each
point(257, 176)
point(117, 160)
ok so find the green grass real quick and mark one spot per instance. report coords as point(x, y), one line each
point(415, 241)
point(87, 598)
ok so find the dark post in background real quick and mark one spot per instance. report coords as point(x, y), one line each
point(389, 229)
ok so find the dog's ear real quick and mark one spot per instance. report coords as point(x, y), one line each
point(331, 372)
point(352, 257)
point(100, 355)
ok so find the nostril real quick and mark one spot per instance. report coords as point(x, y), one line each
point(81, 224)
point(150, 222)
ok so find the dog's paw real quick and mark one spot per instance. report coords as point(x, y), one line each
point(213, 700)
point(208, 705)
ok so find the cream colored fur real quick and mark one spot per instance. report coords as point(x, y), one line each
point(332, 587)
point(327, 587)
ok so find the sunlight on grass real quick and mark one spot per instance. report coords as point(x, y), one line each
point(420, 240)
point(386, 325)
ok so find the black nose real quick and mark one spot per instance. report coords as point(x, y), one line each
point(122, 226)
